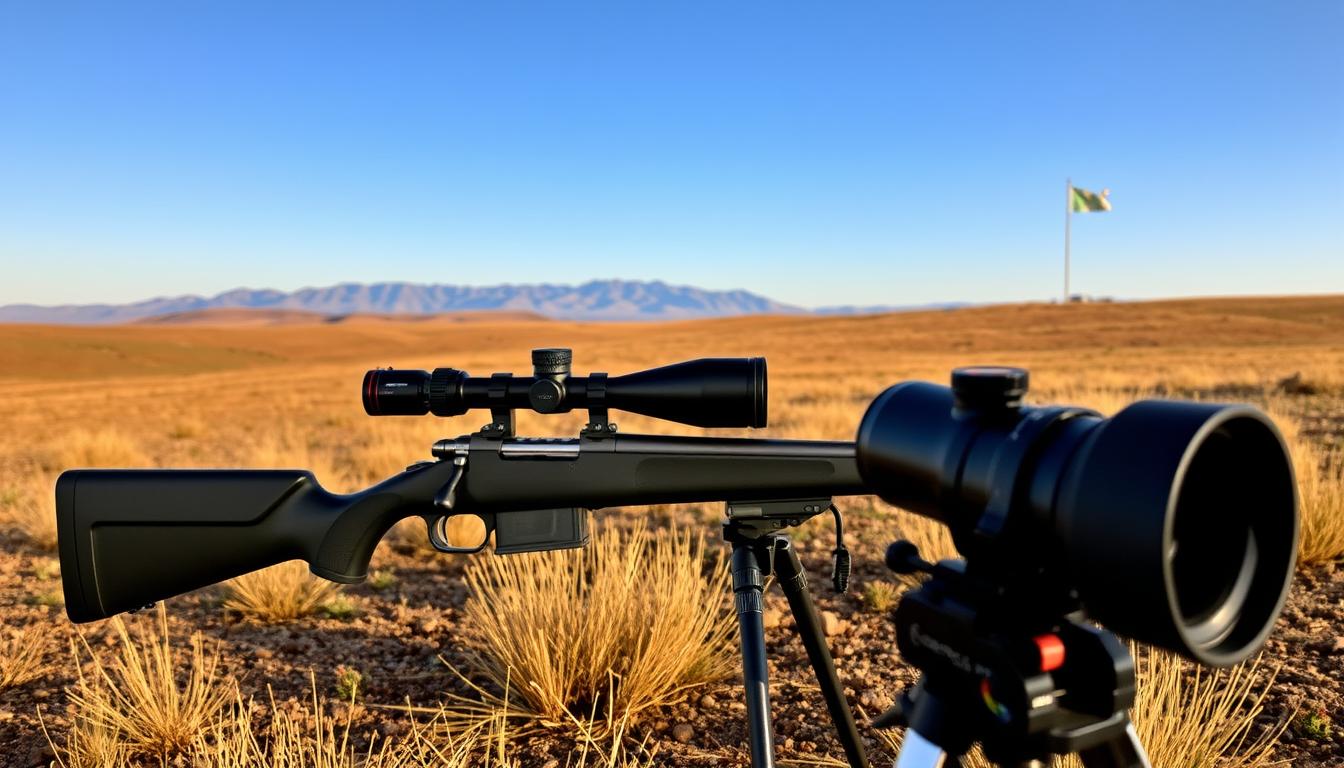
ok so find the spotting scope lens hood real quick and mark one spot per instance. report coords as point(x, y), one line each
point(1180, 522)
point(1175, 523)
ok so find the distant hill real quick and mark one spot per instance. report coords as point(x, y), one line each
point(244, 316)
point(594, 300)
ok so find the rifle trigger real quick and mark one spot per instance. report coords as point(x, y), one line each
point(447, 496)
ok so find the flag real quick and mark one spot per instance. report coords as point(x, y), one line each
point(1082, 201)
point(1085, 202)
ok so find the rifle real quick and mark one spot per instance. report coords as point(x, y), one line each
point(130, 537)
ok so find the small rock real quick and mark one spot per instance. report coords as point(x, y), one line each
point(1338, 647)
point(772, 617)
point(683, 732)
point(832, 624)
point(263, 653)
point(552, 763)
point(708, 702)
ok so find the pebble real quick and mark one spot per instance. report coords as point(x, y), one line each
point(772, 618)
point(1339, 645)
point(708, 702)
point(832, 624)
point(683, 732)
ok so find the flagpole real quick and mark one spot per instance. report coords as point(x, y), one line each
point(1068, 217)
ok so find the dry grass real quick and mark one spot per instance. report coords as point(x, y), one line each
point(281, 593)
point(21, 656)
point(31, 510)
point(1184, 716)
point(1189, 716)
point(628, 624)
point(309, 737)
point(152, 698)
point(108, 447)
point(1320, 485)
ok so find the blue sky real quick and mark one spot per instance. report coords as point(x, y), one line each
point(819, 153)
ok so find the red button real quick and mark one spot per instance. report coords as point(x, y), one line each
point(1052, 652)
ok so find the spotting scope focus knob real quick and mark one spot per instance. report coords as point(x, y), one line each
point(986, 388)
point(553, 361)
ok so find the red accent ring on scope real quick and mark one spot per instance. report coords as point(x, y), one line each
point(371, 392)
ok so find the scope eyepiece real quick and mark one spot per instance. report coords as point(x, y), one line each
point(709, 392)
point(389, 392)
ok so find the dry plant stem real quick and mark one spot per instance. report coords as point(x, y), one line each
point(630, 621)
point(137, 696)
point(31, 509)
point(21, 655)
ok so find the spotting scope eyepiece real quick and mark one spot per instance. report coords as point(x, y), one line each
point(1175, 523)
point(709, 392)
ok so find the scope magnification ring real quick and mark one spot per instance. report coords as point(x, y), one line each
point(445, 392)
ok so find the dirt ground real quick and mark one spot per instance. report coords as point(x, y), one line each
point(404, 637)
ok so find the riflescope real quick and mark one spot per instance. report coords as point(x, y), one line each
point(1174, 523)
point(709, 392)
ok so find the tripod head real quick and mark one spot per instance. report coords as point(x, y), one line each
point(1006, 669)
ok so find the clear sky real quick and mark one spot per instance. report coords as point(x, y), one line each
point(819, 153)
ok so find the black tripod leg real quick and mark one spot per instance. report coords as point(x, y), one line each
point(748, 588)
point(793, 580)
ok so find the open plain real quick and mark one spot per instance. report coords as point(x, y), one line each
point(412, 648)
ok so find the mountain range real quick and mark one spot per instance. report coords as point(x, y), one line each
point(593, 300)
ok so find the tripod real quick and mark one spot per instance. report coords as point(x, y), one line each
point(759, 550)
point(1013, 667)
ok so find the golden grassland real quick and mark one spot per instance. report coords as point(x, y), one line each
point(285, 395)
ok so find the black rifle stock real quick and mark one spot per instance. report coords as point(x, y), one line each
point(131, 537)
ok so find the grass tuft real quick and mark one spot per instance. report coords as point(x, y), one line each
point(31, 509)
point(880, 596)
point(281, 593)
point(21, 653)
point(625, 625)
point(1320, 487)
point(152, 698)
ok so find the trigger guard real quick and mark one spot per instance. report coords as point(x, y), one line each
point(439, 541)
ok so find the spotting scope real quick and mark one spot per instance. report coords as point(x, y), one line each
point(1172, 522)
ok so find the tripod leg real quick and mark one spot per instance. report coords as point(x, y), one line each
point(919, 752)
point(793, 580)
point(748, 588)
point(1124, 751)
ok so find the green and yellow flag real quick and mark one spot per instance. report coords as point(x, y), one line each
point(1083, 201)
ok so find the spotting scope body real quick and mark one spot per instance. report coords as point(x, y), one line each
point(1173, 522)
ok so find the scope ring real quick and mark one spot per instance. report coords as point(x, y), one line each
point(1012, 462)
